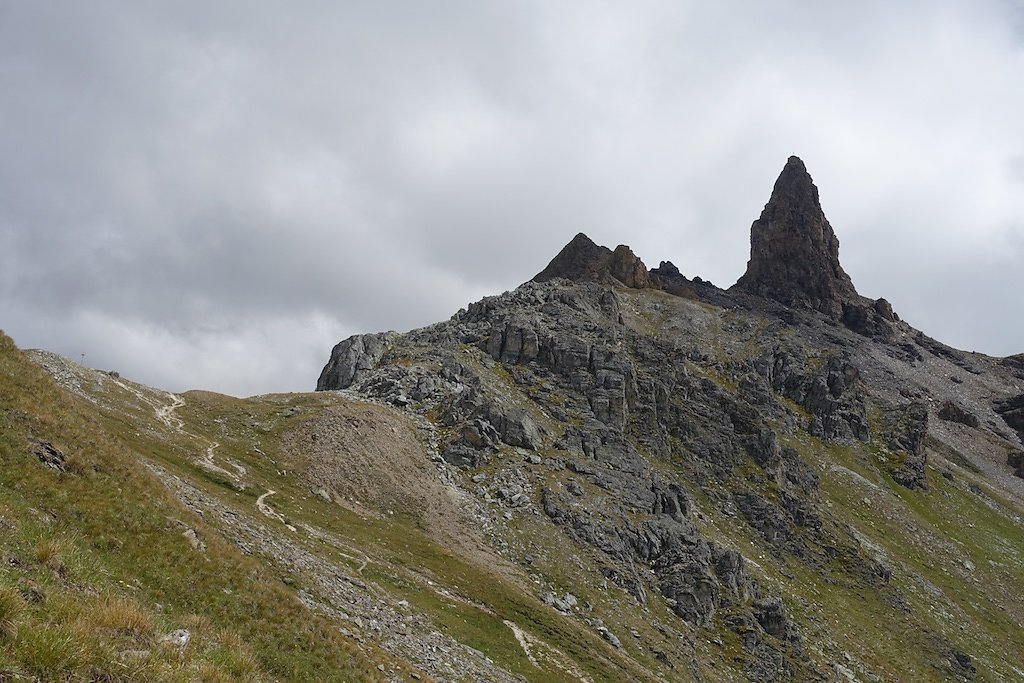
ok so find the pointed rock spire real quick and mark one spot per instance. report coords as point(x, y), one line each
point(794, 254)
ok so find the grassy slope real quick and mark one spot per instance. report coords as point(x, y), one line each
point(96, 568)
point(467, 601)
point(104, 543)
point(119, 537)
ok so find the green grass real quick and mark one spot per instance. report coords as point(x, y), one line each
point(102, 543)
point(110, 540)
point(926, 537)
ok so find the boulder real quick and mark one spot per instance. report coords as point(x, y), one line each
point(48, 454)
point(351, 359)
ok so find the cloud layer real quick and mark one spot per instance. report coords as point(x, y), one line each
point(211, 196)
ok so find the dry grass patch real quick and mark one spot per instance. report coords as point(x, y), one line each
point(49, 652)
point(122, 618)
point(48, 554)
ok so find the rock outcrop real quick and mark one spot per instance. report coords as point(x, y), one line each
point(794, 254)
point(794, 259)
point(951, 412)
point(581, 259)
point(351, 359)
point(1012, 412)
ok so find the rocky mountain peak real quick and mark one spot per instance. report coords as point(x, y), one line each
point(582, 259)
point(794, 254)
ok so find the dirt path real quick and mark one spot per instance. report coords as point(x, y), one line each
point(261, 505)
point(340, 547)
point(166, 414)
point(523, 641)
point(551, 655)
point(399, 630)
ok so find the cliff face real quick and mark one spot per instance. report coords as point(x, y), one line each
point(715, 457)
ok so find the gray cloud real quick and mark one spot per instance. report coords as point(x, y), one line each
point(212, 195)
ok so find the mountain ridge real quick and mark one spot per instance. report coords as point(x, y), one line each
point(794, 261)
point(608, 473)
point(641, 401)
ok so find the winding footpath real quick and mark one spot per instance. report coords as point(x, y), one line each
point(268, 511)
point(166, 414)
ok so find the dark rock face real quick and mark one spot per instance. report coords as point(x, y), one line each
point(628, 269)
point(582, 259)
point(951, 412)
point(830, 392)
point(794, 259)
point(668, 278)
point(1012, 412)
point(1016, 364)
point(905, 428)
point(794, 254)
point(963, 665)
point(1015, 459)
point(697, 577)
point(351, 359)
point(871, 319)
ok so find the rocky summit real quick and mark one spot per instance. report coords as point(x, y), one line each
point(611, 473)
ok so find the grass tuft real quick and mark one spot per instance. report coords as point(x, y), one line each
point(51, 653)
point(48, 554)
point(11, 607)
point(123, 618)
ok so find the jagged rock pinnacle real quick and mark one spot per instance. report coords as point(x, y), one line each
point(582, 259)
point(794, 254)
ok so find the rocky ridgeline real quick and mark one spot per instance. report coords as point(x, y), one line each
point(612, 392)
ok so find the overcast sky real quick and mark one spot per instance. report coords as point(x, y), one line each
point(212, 194)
